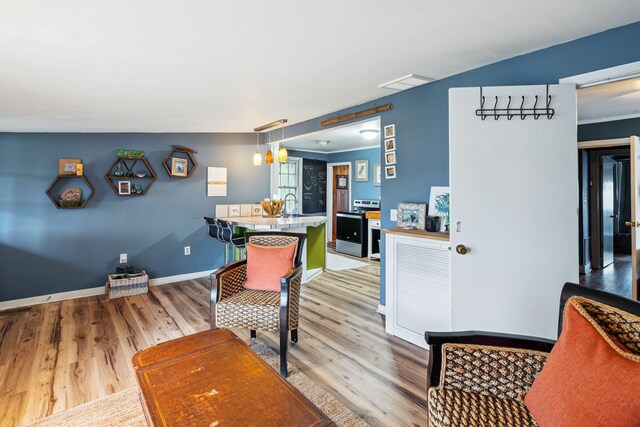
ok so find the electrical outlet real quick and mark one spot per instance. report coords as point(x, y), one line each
point(123, 258)
point(394, 214)
point(187, 250)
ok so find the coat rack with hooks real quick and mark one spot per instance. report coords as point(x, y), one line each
point(510, 112)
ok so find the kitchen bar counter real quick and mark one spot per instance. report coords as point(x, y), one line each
point(261, 223)
point(315, 253)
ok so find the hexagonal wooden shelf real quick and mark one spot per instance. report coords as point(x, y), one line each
point(150, 175)
point(189, 157)
point(83, 202)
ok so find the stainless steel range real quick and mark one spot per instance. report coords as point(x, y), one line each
point(352, 233)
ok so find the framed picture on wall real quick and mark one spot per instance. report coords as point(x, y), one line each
point(362, 171)
point(390, 131)
point(389, 144)
point(390, 172)
point(377, 175)
point(390, 158)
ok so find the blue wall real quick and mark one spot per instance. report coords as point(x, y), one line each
point(46, 250)
point(609, 130)
point(360, 190)
point(421, 114)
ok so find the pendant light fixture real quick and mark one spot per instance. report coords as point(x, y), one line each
point(282, 152)
point(268, 158)
point(257, 158)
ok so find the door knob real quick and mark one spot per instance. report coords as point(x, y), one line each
point(462, 249)
point(630, 223)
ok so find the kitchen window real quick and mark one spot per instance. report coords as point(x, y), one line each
point(289, 182)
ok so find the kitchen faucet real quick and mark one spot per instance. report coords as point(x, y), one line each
point(295, 200)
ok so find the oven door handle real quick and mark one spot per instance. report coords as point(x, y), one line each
point(354, 216)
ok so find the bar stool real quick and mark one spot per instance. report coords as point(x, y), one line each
point(223, 231)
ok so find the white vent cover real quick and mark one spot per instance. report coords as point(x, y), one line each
point(406, 82)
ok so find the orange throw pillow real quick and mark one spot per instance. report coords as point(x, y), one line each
point(267, 264)
point(588, 379)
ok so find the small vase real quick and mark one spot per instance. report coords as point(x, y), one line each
point(119, 170)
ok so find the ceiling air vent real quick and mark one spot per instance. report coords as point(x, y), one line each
point(406, 82)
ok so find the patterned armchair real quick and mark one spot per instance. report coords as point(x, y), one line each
point(233, 306)
point(479, 379)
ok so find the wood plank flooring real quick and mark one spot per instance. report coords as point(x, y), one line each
point(58, 355)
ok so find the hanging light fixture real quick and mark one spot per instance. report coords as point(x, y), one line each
point(257, 158)
point(282, 152)
point(268, 158)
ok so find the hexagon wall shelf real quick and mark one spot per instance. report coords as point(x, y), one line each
point(188, 155)
point(129, 165)
point(83, 201)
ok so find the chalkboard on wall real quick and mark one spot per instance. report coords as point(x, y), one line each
point(314, 186)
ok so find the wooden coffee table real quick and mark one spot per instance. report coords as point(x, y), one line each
point(213, 379)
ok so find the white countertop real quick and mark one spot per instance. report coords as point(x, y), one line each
point(261, 223)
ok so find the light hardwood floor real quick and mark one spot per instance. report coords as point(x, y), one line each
point(58, 355)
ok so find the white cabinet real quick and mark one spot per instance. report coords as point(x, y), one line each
point(374, 238)
point(418, 291)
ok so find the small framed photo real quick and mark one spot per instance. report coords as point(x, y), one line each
point(390, 172)
point(179, 166)
point(377, 175)
point(411, 216)
point(124, 188)
point(390, 158)
point(362, 171)
point(389, 144)
point(390, 131)
point(343, 182)
point(68, 166)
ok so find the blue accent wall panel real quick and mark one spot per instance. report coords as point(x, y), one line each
point(360, 190)
point(45, 250)
point(609, 130)
point(421, 114)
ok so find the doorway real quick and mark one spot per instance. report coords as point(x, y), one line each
point(339, 196)
point(606, 235)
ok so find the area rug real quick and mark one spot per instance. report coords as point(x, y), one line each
point(339, 263)
point(123, 409)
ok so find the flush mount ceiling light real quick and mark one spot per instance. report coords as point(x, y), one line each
point(406, 82)
point(321, 142)
point(370, 133)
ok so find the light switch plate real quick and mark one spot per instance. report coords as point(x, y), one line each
point(394, 214)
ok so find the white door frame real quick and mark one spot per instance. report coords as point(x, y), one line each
point(330, 194)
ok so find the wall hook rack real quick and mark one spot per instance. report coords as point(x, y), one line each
point(508, 112)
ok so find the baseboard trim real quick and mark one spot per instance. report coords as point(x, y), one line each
point(90, 292)
point(382, 309)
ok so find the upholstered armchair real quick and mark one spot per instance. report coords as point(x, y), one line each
point(234, 306)
point(479, 379)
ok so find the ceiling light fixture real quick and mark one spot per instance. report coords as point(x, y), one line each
point(406, 82)
point(257, 157)
point(369, 133)
point(282, 152)
point(321, 142)
point(268, 158)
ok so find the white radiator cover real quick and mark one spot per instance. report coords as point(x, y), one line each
point(418, 291)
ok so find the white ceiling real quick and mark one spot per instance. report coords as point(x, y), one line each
point(610, 101)
point(203, 66)
point(343, 138)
